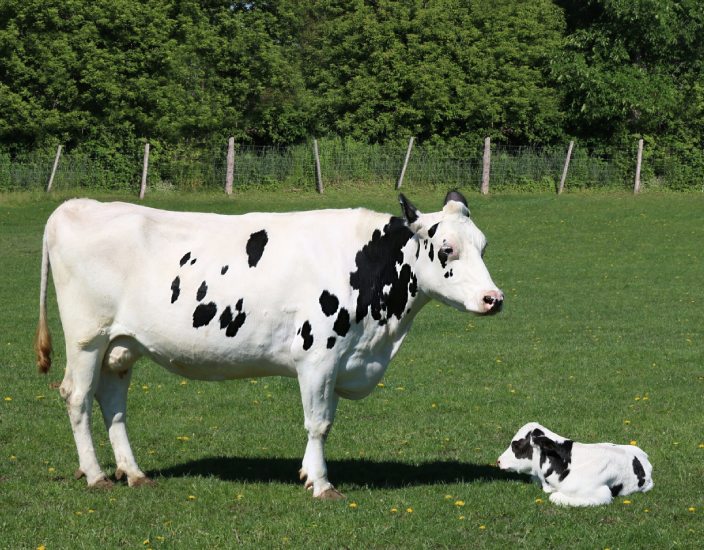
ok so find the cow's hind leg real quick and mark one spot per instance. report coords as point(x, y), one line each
point(319, 404)
point(77, 390)
point(112, 398)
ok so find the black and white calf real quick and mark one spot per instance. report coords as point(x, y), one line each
point(577, 474)
point(326, 297)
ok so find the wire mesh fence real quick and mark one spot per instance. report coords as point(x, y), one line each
point(345, 162)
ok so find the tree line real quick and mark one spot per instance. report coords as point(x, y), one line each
point(104, 75)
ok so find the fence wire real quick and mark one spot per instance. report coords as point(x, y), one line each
point(344, 163)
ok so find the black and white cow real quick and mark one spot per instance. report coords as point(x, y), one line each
point(577, 474)
point(325, 296)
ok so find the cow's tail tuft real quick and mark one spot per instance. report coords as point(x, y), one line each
point(42, 338)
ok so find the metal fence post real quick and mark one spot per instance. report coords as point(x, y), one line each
point(144, 171)
point(636, 187)
point(405, 164)
point(317, 164)
point(230, 165)
point(567, 165)
point(487, 166)
point(53, 172)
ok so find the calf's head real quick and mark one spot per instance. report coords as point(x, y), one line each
point(519, 456)
point(449, 263)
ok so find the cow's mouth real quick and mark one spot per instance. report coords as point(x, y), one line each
point(492, 304)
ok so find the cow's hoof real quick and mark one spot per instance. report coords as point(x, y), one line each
point(103, 484)
point(308, 484)
point(331, 494)
point(302, 474)
point(119, 474)
point(79, 474)
point(143, 482)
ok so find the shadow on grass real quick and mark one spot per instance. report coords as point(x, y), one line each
point(371, 473)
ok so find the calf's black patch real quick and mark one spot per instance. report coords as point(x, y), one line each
point(432, 230)
point(193, 261)
point(202, 291)
point(616, 489)
point(224, 269)
point(558, 454)
point(442, 256)
point(331, 342)
point(522, 448)
point(329, 303)
point(306, 335)
point(430, 253)
point(203, 314)
point(229, 324)
point(376, 268)
point(342, 323)
point(175, 289)
point(255, 247)
point(186, 257)
point(639, 471)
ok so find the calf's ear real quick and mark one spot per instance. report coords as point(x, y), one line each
point(455, 196)
point(410, 212)
point(545, 443)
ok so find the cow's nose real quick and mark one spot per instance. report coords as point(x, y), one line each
point(494, 302)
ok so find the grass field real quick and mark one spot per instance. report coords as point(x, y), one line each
point(600, 340)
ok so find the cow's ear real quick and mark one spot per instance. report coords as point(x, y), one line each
point(410, 212)
point(545, 443)
point(455, 196)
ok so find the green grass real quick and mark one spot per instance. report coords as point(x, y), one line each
point(602, 325)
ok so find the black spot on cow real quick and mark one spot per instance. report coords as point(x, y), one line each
point(455, 196)
point(522, 448)
point(175, 289)
point(559, 455)
point(306, 335)
point(377, 268)
point(418, 250)
point(203, 314)
point(639, 471)
point(342, 323)
point(193, 261)
point(432, 230)
point(616, 489)
point(448, 274)
point(425, 244)
point(229, 324)
point(431, 254)
point(255, 247)
point(331, 342)
point(413, 285)
point(442, 256)
point(239, 304)
point(224, 269)
point(202, 291)
point(186, 257)
point(329, 303)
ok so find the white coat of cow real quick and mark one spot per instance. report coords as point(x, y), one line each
point(324, 296)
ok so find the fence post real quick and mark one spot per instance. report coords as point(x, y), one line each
point(567, 165)
point(144, 171)
point(317, 164)
point(405, 164)
point(487, 166)
point(636, 187)
point(53, 172)
point(230, 165)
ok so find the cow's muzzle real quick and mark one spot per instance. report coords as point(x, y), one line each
point(493, 302)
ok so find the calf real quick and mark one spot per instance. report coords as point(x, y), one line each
point(574, 473)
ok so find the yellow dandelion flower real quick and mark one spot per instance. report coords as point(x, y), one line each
point(51, 469)
point(433, 405)
point(168, 523)
point(633, 442)
point(112, 500)
point(8, 399)
point(538, 500)
point(40, 397)
point(185, 439)
point(482, 527)
point(191, 497)
point(461, 517)
point(41, 547)
point(151, 452)
point(78, 513)
point(90, 511)
point(253, 381)
point(409, 510)
point(12, 457)
point(240, 496)
point(675, 443)
point(459, 503)
point(183, 382)
point(691, 509)
point(380, 385)
point(626, 501)
point(394, 510)
point(353, 505)
point(399, 388)
point(627, 421)
point(647, 511)
point(448, 496)
point(146, 542)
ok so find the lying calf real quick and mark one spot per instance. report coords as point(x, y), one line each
point(577, 474)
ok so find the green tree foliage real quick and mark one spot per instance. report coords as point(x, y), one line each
point(441, 70)
point(633, 67)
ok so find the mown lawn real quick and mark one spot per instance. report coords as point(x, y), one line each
point(600, 340)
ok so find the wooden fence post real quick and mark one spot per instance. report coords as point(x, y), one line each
point(636, 187)
point(567, 165)
point(405, 164)
point(144, 171)
point(487, 166)
point(317, 164)
point(53, 172)
point(230, 165)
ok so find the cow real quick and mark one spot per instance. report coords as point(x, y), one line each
point(577, 474)
point(325, 296)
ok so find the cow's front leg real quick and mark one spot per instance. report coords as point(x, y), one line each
point(319, 404)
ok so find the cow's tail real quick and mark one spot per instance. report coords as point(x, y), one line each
point(42, 339)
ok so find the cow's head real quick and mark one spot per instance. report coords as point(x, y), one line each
point(519, 456)
point(449, 263)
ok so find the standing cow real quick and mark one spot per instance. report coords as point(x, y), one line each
point(325, 296)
